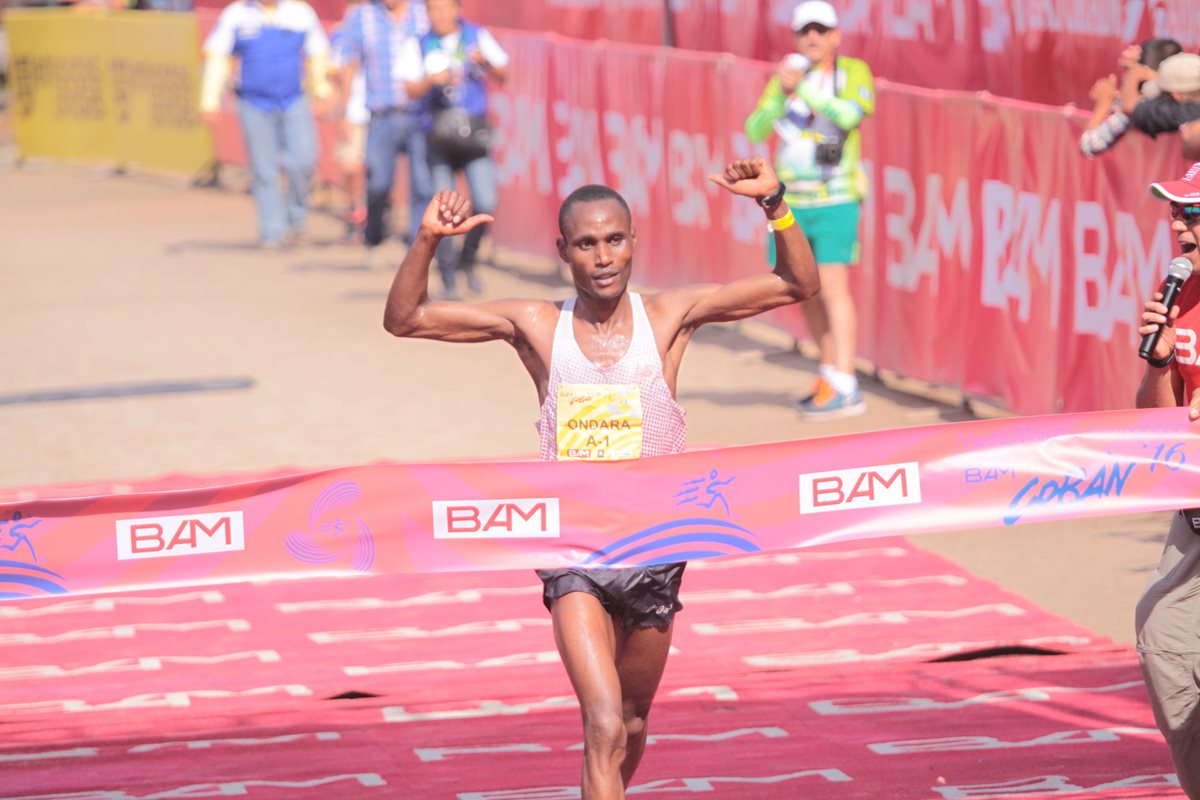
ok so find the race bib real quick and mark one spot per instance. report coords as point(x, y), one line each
point(599, 422)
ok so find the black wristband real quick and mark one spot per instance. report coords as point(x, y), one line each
point(1159, 363)
point(773, 199)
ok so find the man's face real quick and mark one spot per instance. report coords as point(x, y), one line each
point(443, 16)
point(818, 43)
point(1185, 224)
point(597, 245)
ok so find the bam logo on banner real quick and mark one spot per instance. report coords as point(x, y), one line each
point(863, 487)
point(525, 518)
point(155, 537)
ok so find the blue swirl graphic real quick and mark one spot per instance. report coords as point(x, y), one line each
point(679, 540)
point(332, 523)
point(18, 579)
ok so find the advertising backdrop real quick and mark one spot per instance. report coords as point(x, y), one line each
point(1045, 51)
point(109, 85)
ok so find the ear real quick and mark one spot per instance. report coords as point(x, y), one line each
point(632, 237)
point(561, 244)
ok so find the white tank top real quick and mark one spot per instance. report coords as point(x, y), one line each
point(663, 424)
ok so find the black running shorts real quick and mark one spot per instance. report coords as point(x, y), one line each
point(636, 597)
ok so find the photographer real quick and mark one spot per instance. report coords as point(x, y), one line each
point(815, 103)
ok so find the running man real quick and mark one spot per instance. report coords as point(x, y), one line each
point(612, 626)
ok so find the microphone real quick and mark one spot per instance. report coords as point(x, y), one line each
point(1178, 271)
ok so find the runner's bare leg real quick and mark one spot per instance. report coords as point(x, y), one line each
point(615, 675)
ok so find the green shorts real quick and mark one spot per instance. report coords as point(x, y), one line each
point(832, 233)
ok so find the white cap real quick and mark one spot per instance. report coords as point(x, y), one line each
point(811, 11)
point(1180, 73)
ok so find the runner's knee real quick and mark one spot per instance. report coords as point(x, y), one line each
point(605, 732)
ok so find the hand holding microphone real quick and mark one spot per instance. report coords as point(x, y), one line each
point(1178, 271)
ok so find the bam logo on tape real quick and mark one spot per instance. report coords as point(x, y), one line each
point(862, 487)
point(523, 518)
point(156, 537)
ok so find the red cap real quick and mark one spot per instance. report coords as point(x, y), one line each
point(1184, 190)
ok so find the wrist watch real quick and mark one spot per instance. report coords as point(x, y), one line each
point(773, 199)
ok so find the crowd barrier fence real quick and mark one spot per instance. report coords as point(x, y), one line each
point(995, 259)
point(1042, 51)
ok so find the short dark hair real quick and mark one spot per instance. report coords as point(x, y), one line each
point(1155, 51)
point(590, 193)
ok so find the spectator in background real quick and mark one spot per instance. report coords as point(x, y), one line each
point(455, 59)
point(273, 40)
point(815, 104)
point(352, 130)
point(1139, 65)
point(373, 39)
point(1178, 103)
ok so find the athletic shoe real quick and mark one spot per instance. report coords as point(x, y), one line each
point(816, 388)
point(827, 403)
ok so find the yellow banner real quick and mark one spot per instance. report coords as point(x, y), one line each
point(108, 85)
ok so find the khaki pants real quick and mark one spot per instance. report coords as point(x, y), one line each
point(1168, 636)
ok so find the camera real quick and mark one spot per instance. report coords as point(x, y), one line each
point(829, 151)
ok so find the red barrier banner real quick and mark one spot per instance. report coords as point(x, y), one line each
point(1042, 51)
point(625, 21)
point(995, 257)
point(691, 506)
point(1045, 51)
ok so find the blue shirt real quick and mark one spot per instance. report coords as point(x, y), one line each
point(372, 38)
point(272, 45)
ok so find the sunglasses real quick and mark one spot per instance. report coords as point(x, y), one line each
point(1189, 214)
point(812, 26)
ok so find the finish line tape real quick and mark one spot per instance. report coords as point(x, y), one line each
point(455, 517)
